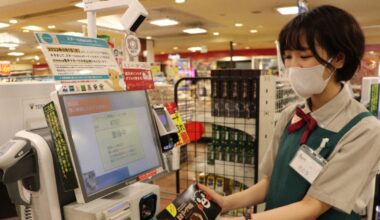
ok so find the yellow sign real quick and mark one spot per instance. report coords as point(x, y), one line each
point(182, 133)
point(172, 209)
point(155, 69)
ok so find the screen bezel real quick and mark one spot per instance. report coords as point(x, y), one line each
point(106, 191)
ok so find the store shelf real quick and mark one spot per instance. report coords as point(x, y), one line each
point(243, 173)
point(244, 124)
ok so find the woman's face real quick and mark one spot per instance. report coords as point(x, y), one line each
point(305, 59)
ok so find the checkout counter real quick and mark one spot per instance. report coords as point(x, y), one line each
point(92, 161)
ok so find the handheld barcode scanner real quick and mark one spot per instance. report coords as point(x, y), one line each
point(18, 167)
point(168, 134)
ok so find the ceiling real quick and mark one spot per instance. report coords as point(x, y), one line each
point(213, 15)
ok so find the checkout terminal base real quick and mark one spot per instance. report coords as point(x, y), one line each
point(136, 201)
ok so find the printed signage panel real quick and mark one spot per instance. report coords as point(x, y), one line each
point(81, 64)
point(138, 76)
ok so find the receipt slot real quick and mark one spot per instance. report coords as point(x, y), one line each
point(168, 137)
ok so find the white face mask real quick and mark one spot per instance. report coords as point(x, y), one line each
point(308, 81)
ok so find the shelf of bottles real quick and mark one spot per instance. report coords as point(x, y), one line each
point(223, 155)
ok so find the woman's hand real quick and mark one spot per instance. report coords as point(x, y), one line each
point(217, 197)
point(231, 218)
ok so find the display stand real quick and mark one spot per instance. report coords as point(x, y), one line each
point(238, 113)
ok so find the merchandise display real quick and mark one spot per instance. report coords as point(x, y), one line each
point(233, 93)
point(231, 147)
point(192, 204)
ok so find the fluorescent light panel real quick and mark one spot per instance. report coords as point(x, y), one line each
point(164, 22)
point(195, 31)
point(77, 34)
point(79, 5)
point(32, 28)
point(16, 54)
point(193, 49)
point(8, 45)
point(291, 10)
point(180, 1)
point(3, 25)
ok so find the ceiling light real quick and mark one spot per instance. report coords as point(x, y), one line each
point(8, 45)
point(234, 44)
point(253, 31)
point(25, 31)
point(149, 37)
point(79, 5)
point(180, 1)
point(238, 25)
point(291, 10)
point(32, 28)
point(195, 31)
point(77, 34)
point(51, 26)
point(13, 21)
point(16, 54)
point(216, 34)
point(12, 48)
point(3, 25)
point(194, 49)
point(247, 48)
point(175, 48)
point(162, 52)
point(164, 22)
point(37, 58)
point(38, 47)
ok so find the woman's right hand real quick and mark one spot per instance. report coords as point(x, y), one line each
point(216, 197)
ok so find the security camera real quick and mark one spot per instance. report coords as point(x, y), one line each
point(134, 16)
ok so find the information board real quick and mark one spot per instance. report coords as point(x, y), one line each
point(81, 64)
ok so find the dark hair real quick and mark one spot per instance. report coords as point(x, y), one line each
point(331, 28)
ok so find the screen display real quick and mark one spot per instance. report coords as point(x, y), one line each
point(112, 138)
point(162, 115)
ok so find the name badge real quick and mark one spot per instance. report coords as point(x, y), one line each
point(308, 163)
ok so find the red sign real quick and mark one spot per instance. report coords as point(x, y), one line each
point(147, 175)
point(138, 79)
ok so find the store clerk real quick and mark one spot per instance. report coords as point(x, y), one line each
point(320, 49)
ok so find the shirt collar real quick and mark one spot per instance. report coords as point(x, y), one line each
point(331, 109)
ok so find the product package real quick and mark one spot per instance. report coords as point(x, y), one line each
point(192, 204)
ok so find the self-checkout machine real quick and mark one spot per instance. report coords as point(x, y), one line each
point(168, 137)
point(100, 138)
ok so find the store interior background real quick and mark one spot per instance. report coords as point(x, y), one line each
point(249, 28)
point(243, 30)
